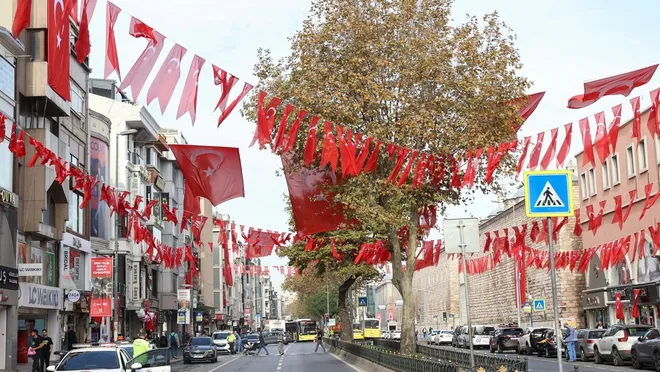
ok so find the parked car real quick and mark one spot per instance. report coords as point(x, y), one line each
point(200, 349)
point(547, 346)
point(463, 337)
point(505, 338)
point(443, 337)
point(396, 335)
point(481, 335)
point(528, 342)
point(586, 340)
point(617, 341)
point(430, 338)
point(385, 334)
point(646, 351)
point(458, 331)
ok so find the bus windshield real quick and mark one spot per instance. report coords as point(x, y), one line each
point(307, 327)
point(356, 326)
point(372, 324)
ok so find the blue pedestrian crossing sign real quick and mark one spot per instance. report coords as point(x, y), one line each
point(362, 301)
point(548, 193)
point(539, 305)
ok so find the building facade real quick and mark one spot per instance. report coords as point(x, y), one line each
point(9, 201)
point(388, 305)
point(630, 167)
point(136, 151)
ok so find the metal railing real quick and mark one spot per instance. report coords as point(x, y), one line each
point(391, 360)
point(461, 359)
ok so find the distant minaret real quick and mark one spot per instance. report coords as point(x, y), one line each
point(572, 166)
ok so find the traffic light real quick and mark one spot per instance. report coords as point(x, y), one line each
point(444, 316)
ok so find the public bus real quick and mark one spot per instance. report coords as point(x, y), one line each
point(291, 326)
point(370, 328)
point(306, 330)
point(357, 332)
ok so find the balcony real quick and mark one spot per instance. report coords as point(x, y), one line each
point(36, 87)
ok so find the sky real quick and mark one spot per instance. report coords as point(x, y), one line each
point(562, 44)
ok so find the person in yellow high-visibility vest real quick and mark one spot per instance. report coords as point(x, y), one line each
point(140, 347)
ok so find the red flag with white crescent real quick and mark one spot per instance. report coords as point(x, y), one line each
point(59, 59)
point(111, 56)
point(138, 74)
point(162, 87)
point(188, 103)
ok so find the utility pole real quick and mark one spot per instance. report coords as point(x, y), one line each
point(461, 226)
point(327, 299)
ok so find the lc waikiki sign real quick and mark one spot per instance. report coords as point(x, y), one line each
point(40, 296)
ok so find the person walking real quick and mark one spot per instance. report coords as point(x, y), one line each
point(571, 340)
point(319, 340)
point(239, 342)
point(47, 350)
point(71, 339)
point(280, 343)
point(174, 344)
point(262, 344)
point(231, 340)
point(140, 347)
point(35, 349)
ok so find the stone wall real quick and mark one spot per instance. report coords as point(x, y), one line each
point(492, 293)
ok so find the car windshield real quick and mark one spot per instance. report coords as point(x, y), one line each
point(483, 330)
point(638, 332)
point(512, 331)
point(596, 334)
point(220, 336)
point(90, 360)
point(445, 332)
point(200, 341)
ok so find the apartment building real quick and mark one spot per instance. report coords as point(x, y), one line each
point(630, 167)
point(10, 50)
point(136, 151)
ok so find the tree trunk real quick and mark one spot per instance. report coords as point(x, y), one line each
point(402, 280)
point(344, 319)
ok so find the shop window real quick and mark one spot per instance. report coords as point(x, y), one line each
point(621, 274)
point(648, 267)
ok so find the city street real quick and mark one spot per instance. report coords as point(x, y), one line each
point(297, 357)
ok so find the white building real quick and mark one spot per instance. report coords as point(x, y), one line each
point(137, 148)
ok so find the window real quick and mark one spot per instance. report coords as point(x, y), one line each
point(147, 194)
point(583, 185)
point(630, 161)
point(77, 100)
point(592, 182)
point(216, 278)
point(605, 172)
point(76, 221)
point(616, 174)
point(641, 156)
point(154, 282)
point(123, 226)
point(6, 166)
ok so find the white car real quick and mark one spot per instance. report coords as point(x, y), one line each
point(616, 342)
point(220, 342)
point(112, 359)
point(443, 337)
point(395, 335)
point(481, 335)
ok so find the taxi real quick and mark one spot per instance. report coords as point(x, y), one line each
point(111, 358)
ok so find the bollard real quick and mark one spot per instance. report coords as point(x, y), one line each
point(575, 369)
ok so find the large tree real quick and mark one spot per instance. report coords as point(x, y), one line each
point(402, 71)
point(320, 270)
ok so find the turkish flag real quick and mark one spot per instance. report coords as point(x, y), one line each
point(618, 306)
point(602, 140)
point(139, 29)
point(618, 84)
point(22, 17)
point(565, 146)
point(74, 11)
point(536, 151)
point(550, 152)
point(188, 101)
point(83, 45)
point(227, 80)
point(211, 172)
point(586, 142)
point(138, 74)
point(259, 244)
point(313, 209)
point(190, 201)
point(162, 87)
point(635, 309)
point(91, 6)
point(532, 102)
point(58, 49)
point(111, 56)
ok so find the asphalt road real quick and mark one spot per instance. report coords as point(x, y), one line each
point(297, 357)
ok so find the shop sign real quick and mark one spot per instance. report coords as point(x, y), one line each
point(593, 300)
point(40, 296)
point(73, 296)
point(9, 278)
point(218, 317)
point(8, 197)
point(30, 269)
point(160, 183)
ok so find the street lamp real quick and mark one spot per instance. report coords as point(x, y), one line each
point(115, 270)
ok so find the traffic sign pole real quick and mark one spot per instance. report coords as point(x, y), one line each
point(555, 304)
point(461, 225)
